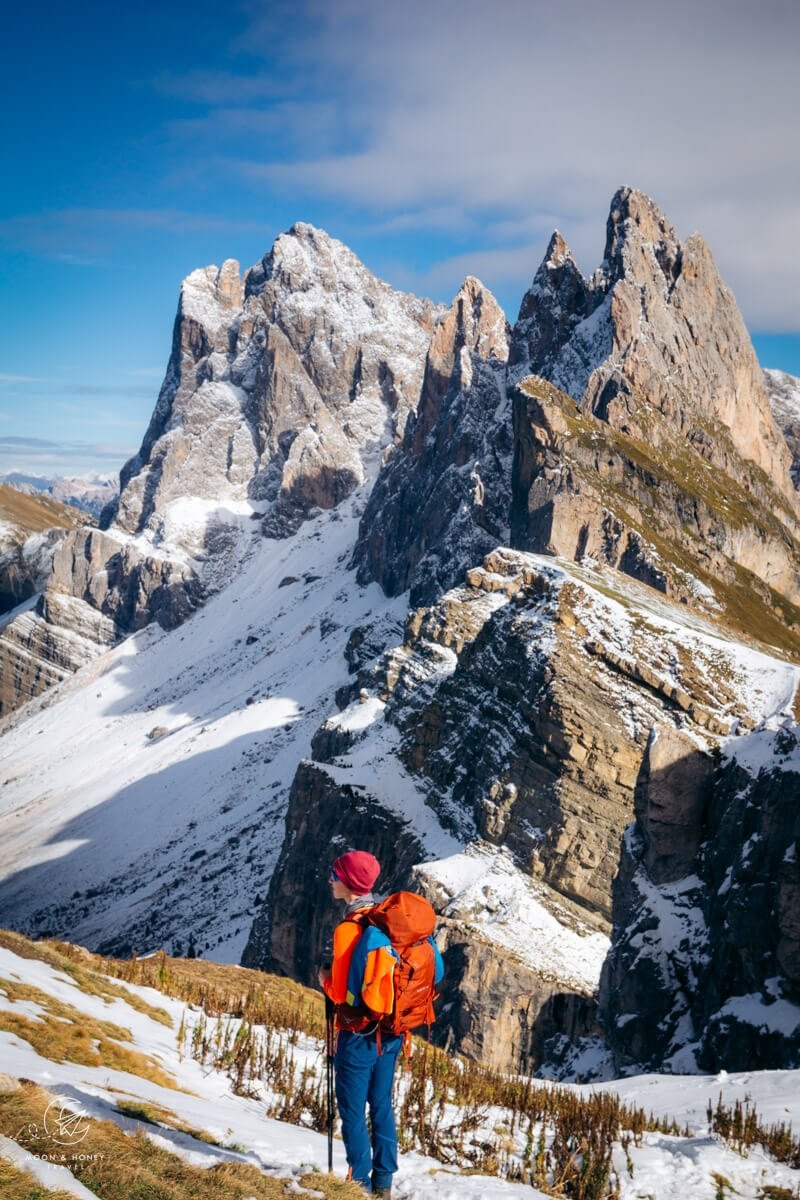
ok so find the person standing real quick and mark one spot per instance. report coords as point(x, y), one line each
point(365, 1059)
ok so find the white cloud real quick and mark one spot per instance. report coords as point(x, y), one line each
point(528, 107)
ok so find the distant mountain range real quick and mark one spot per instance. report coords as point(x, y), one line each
point(89, 493)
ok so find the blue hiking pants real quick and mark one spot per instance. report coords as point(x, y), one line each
point(364, 1077)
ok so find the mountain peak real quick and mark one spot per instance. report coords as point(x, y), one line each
point(634, 220)
point(475, 321)
point(557, 252)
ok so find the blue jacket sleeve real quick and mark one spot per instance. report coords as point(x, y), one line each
point(439, 963)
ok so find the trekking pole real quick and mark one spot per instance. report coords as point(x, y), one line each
point(329, 1047)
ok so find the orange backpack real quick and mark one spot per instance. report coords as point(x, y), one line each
point(392, 977)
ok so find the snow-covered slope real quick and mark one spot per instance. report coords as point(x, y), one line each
point(492, 746)
point(143, 800)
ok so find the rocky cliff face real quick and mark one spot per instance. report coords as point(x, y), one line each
point(784, 397)
point(640, 430)
point(704, 970)
point(442, 499)
point(653, 343)
point(281, 388)
point(582, 510)
point(30, 527)
point(514, 717)
point(582, 489)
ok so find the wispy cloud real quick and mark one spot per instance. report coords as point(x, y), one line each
point(218, 87)
point(31, 454)
point(504, 116)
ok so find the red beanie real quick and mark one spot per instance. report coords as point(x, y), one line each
point(358, 870)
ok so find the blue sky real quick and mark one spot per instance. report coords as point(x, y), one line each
point(435, 138)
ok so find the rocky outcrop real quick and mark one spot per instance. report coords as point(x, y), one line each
point(442, 499)
point(582, 489)
point(514, 717)
point(642, 435)
point(653, 344)
point(498, 1011)
point(124, 582)
point(30, 527)
point(704, 970)
point(326, 816)
point(522, 727)
point(25, 565)
point(493, 1006)
point(784, 397)
point(279, 384)
point(45, 644)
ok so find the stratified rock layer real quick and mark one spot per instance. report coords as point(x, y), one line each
point(784, 397)
point(642, 436)
point(653, 343)
point(582, 489)
point(515, 715)
point(704, 970)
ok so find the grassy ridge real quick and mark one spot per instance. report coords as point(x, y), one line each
point(34, 514)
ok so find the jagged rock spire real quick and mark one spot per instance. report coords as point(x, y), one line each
point(556, 302)
point(428, 516)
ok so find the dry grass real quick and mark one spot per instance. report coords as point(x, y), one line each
point(647, 480)
point(739, 1126)
point(33, 514)
point(220, 989)
point(119, 1166)
point(64, 1034)
point(84, 968)
point(247, 1024)
point(16, 1184)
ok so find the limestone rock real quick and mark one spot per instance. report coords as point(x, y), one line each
point(279, 383)
point(441, 500)
point(31, 524)
point(517, 668)
point(281, 388)
point(784, 397)
point(661, 346)
point(582, 489)
point(672, 798)
point(498, 1011)
point(326, 816)
point(44, 645)
point(704, 970)
point(515, 718)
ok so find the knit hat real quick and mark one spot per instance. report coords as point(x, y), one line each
point(358, 870)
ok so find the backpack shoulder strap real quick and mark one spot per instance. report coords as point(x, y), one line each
point(362, 961)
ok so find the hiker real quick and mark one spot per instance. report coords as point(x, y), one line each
point(367, 1048)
